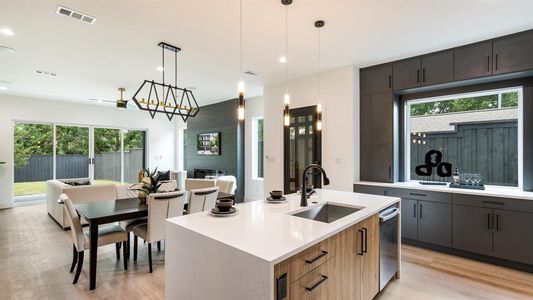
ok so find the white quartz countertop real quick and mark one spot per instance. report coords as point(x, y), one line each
point(269, 232)
point(490, 190)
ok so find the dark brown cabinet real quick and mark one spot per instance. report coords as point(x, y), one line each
point(437, 68)
point(376, 80)
point(513, 236)
point(377, 137)
point(514, 53)
point(473, 61)
point(472, 229)
point(406, 74)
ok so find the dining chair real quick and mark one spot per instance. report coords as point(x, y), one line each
point(202, 199)
point(110, 234)
point(161, 206)
point(225, 186)
point(229, 178)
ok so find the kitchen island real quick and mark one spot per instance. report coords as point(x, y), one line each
point(264, 251)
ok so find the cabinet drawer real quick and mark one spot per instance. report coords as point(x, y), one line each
point(494, 202)
point(319, 284)
point(305, 261)
point(370, 189)
point(421, 195)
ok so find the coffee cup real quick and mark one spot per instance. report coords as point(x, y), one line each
point(276, 194)
point(224, 204)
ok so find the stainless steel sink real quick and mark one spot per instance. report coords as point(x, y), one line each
point(326, 213)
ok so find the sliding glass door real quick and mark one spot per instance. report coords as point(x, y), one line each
point(107, 156)
point(134, 154)
point(72, 152)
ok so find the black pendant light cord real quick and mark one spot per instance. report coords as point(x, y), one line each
point(240, 39)
point(319, 66)
point(287, 49)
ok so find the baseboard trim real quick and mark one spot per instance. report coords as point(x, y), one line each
point(484, 258)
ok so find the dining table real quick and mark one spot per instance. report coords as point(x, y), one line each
point(110, 211)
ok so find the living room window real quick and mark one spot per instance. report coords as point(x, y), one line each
point(51, 151)
point(257, 147)
point(479, 133)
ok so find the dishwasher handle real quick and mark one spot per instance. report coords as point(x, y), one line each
point(389, 214)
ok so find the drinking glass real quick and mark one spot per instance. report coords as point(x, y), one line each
point(467, 177)
point(477, 179)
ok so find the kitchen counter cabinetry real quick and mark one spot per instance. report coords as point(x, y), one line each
point(344, 266)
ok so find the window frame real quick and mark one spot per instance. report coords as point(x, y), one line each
point(255, 149)
point(406, 135)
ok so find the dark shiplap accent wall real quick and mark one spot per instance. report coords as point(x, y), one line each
point(220, 117)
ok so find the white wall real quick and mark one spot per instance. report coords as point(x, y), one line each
point(340, 133)
point(161, 136)
point(253, 186)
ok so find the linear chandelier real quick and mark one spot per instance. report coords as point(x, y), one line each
point(167, 99)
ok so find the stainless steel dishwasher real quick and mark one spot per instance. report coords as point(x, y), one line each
point(388, 246)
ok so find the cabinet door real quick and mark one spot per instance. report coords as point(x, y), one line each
point(318, 284)
point(382, 137)
point(513, 236)
point(367, 146)
point(409, 219)
point(437, 68)
point(406, 74)
point(513, 54)
point(473, 61)
point(435, 223)
point(370, 258)
point(472, 229)
point(376, 80)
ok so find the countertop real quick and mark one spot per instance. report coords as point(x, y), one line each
point(490, 190)
point(268, 231)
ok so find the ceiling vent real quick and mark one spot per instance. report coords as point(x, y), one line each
point(67, 12)
point(251, 74)
point(45, 73)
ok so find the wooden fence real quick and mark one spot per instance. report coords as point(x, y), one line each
point(486, 148)
point(107, 166)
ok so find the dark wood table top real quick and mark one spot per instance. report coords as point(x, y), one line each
point(112, 210)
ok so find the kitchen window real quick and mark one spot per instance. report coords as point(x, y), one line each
point(477, 133)
point(257, 148)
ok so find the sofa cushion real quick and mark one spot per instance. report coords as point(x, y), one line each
point(76, 181)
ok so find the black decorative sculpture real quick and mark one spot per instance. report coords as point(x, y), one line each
point(433, 159)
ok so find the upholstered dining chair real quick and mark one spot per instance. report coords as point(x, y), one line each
point(111, 234)
point(202, 199)
point(225, 186)
point(161, 206)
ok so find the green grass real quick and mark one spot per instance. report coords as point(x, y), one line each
point(39, 187)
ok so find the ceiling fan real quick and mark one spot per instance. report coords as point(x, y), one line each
point(120, 103)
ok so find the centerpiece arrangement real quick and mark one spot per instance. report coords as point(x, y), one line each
point(149, 184)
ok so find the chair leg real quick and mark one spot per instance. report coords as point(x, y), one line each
point(78, 269)
point(117, 247)
point(135, 240)
point(74, 258)
point(150, 256)
point(129, 243)
point(125, 253)
point(159, 246)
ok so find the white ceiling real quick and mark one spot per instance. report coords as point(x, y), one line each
point(92, 61)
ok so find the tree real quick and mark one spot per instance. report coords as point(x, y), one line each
point(464, 104)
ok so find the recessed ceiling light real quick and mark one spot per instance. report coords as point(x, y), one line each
point(6, 31)
point(4, 49)
point(160, 69)
point(283, 59)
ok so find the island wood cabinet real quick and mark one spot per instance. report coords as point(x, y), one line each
point(344, 266)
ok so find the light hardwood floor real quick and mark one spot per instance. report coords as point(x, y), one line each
point(35, 256)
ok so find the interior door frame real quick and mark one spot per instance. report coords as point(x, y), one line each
point(317, 144)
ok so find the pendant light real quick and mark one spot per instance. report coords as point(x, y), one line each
point(286, 97)
point(240, 87)
point(319, 24)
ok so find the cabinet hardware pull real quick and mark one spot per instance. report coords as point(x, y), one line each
point(497, 222)
point(488, 221)
point(424, 75)
point(324, 278)
point(390, 81)
point(420, 211)
point(390, 172)
point(492, 202)
point(366, 240)
point(361, 252)
point(496, 67)
point(417, 76)
point(488, 63)
point(324, 253)
point(414, 210)
point(417, 194)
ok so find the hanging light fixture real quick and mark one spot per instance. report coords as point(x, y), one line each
point(170, 100)
point(287, 97)
point(319, 24)
point(240, 87)
point(121, 103)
